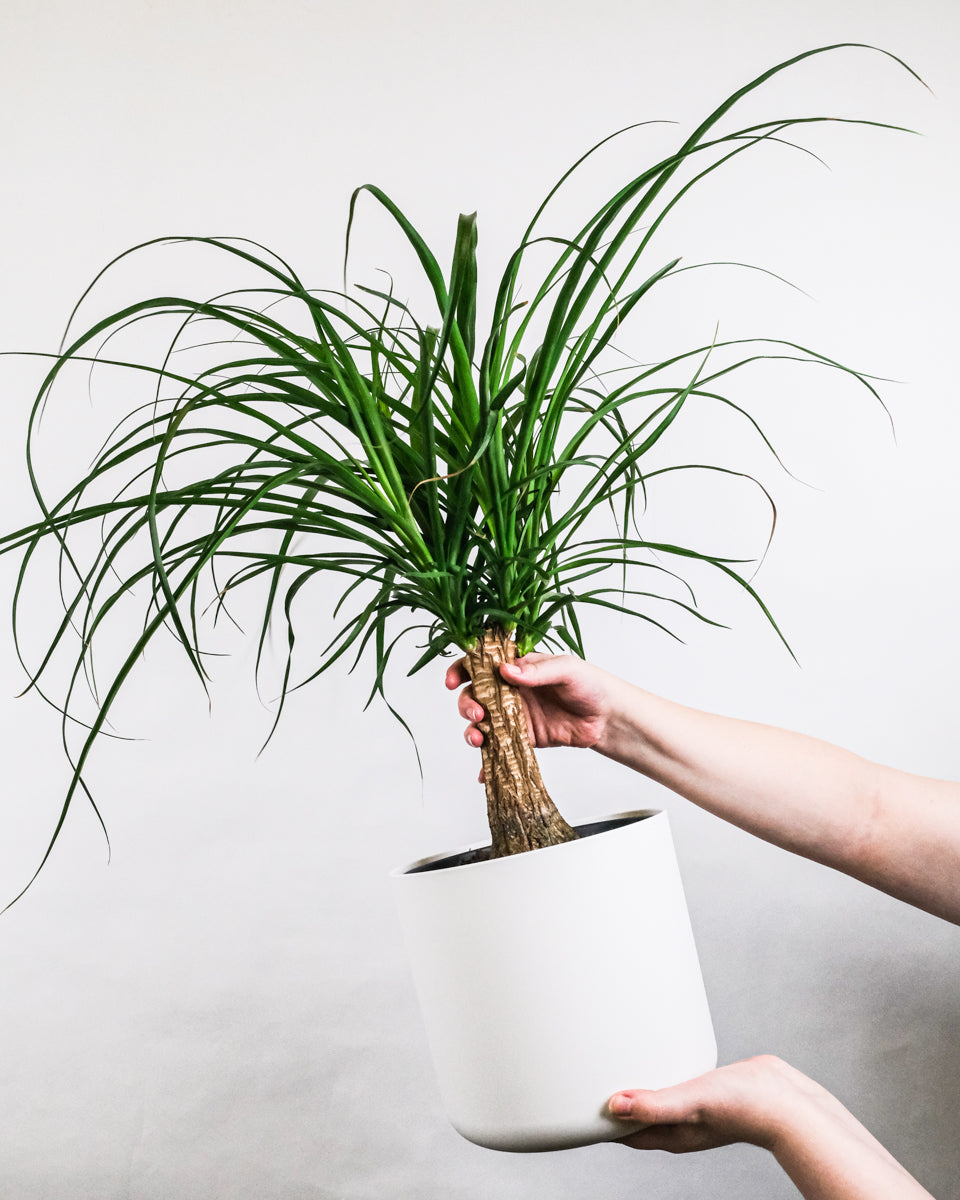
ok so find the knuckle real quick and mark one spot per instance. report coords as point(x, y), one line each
point(768, 1062)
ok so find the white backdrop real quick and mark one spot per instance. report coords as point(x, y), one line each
point(224, 1010)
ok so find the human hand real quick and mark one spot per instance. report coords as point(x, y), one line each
point(567, 701)
point(820, 1145)
point(749, 1101)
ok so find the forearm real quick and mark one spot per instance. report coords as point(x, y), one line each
point(829, 1155)
point(792, 790)
point(895, 831)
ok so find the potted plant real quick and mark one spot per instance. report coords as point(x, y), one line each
point(460, 477)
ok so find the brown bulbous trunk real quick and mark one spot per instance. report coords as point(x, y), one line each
point(521, 814)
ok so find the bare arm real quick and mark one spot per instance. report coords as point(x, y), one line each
point(895, 831)
point(898, 832)
point(825, 1150)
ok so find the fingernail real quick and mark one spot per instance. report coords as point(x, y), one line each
point(477, 714)
point(619, 1105)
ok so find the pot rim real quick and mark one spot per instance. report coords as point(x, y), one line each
point(420, 865)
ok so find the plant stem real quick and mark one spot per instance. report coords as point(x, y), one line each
point(520, 812)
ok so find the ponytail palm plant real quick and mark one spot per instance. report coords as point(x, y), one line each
point(435, 468)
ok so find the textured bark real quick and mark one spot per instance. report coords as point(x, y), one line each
point(521, 814)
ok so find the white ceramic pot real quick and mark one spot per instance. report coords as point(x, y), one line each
point(550, 980)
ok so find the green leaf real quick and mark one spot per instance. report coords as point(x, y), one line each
point(283, 436)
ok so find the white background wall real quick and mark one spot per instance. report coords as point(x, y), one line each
point(224, 1011)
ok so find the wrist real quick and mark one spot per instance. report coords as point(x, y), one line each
point(627, 736)
point(792, 1107)
point(829, 1155)
point(766, 1102)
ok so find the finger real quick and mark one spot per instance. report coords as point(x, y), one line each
point(675, 1139)
point(473, 737)
point(534, 670)
point(456, 675)
point(679, 1104)
point(470, 710)
point(666, 1106)
point(638, 1106)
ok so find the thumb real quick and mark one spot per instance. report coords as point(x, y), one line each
point(668, 1106)
point(534, 670)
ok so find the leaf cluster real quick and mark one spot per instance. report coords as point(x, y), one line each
point(436, 468)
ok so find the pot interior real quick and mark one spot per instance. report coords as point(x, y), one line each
point(466, 858)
